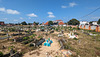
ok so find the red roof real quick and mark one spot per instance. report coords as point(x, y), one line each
point(60, 23)
point(46, 23)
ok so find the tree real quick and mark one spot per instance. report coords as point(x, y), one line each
point(29, 23)
point(50, 23)
point(98, 21)
point(90, 22)
point(73, 22)
point(24, 23)
point(36, 23)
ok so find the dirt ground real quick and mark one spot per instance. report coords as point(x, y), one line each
point(41, 52)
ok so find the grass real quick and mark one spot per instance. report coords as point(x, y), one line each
point(10, 47)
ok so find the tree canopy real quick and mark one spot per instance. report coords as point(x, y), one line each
point(98, 21)
point(90, 22)
point(24, 23)
point(36, 23)
point(50, 23)
point(73, 22)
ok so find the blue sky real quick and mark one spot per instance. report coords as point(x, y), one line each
point(14, 11)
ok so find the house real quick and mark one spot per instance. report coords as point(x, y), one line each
point(2, 23)
point(94, 22)
point(56, 23)
point(46, 23)
point(83, 22)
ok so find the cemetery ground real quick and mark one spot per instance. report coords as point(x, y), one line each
point(86, 45)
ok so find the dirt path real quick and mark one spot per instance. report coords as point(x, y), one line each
point(41, 52)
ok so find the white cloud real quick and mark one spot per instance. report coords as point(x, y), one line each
point(2, 9)
point(9, 11)
point(72, 4)
point(63, 6)
point(15, 20)
point(50, 13)
point(51, 16)
point(32, 15)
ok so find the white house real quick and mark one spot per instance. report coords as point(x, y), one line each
point(83, 22)
point(94, 22)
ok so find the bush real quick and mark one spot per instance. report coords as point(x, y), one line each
point(34, 35)
point(25, 38)
point(26, 42)
point(10, 47)
point(1, 54)
point(31, 45)
point(76, 33)
point(56, 29)
point(75, 39)
point(40, 36)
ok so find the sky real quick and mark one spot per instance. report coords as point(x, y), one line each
point(16, 11)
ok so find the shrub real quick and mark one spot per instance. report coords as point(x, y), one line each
point(31, 45)
point(56, 29)
point(40, 36)
point(76, 33)
point(34, 35)
point(10, 47)
point(26, 42)
point(75, 39)
point(1, 54)
point(25, 38)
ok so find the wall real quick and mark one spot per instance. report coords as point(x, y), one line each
point(88, 27)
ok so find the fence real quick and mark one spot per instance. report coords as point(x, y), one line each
point(89, 27)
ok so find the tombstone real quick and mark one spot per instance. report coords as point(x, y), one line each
point(11, 52)
point(62, 31)
point(79, 41)
point(14, 40)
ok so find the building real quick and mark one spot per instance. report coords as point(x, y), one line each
point(94, 22)
point(83, 22)
point(56, 23)
point(2, 23)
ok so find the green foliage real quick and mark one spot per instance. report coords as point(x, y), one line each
point(40, 36)
point(34, 35)
point(98, 21)
point(31, 36)
point(50, 23)
point(31, 45)
point(36, 23)
point(90, 22)
point(10, 47)
point(98, 48)
point(25, 38)
point(26, 42)
point(24, 23)
point(29, 23)
point(56, 29)
point(76, 33)
point(1, 54)
point(75, 39)
point(73, 22)
point(11, 29)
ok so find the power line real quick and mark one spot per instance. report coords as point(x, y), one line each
point(90, 13)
